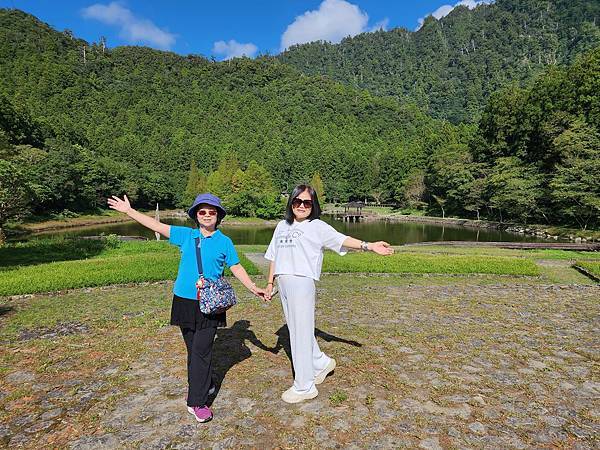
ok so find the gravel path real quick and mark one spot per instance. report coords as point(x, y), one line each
point(419, 366)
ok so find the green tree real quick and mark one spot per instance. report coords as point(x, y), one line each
point(317, 184)
point(516, 189)
point(253, 193)
point(14, 194)
point(441, 202)
point(219, 182)
point(192, 186)
point(192, 183)
point(475, 195)
point(413, 189)
point(575, 186)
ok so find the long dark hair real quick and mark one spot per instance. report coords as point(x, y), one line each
point(315, 212)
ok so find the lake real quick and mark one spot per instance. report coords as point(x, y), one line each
point(396, 233)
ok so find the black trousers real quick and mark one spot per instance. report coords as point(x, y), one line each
point(199, 344)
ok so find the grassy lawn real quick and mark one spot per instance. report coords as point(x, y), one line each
point(423, 263)
point(495, 251)
point(52, 265)
point(46, 265)
point(592, 267)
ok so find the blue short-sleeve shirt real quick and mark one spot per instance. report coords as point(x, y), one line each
point(217, 250)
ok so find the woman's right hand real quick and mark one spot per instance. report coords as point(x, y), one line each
point(269, 292)
point(120, 205)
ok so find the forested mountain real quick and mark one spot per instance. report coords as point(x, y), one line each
point(133, 119)
point(451, 66)
point(535, 155)
point(79, 122)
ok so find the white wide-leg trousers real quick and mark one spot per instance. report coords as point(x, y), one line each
point(298, 301)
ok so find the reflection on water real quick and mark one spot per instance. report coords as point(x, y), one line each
point(409, 232)
point(393, 232)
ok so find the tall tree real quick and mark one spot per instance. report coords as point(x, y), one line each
point(191, 189)
point(317, 184)
point(516, 189)
point(14, 194)
point(575, 185)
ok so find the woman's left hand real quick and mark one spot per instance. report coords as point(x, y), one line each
point(381, 248)
point(260, 293)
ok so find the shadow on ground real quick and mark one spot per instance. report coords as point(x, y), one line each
point(230, 347)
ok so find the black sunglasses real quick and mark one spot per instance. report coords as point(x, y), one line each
point(298, 201)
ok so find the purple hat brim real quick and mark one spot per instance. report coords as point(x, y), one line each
point(207, 199)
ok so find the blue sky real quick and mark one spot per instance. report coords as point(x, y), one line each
point(229, 28)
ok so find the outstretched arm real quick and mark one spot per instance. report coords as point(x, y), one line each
point(380, 247)
point(125, 207)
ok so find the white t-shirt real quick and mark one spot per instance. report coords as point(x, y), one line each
point(297, 249)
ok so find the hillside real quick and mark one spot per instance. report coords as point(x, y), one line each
point(154, 112)
point(79, 122)
point(451, 66)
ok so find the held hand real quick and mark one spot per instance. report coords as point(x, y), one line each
point(381, 248)
point(269, 292)
point(120, 205)
point(260, 293)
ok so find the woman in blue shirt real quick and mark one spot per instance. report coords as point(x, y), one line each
point(198, 329)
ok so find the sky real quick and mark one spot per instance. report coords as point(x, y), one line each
point(230, 28)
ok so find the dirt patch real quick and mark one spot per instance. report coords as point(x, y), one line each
point(62, 329)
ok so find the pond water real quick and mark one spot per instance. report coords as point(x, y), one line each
point(396, 233)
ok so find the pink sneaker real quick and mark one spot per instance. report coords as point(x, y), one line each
point(201, 413)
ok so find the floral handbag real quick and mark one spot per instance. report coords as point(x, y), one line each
point(215, 296)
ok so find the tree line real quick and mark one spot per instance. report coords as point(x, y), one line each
point(450, 67)
point(161, 127)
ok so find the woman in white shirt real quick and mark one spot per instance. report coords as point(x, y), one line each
point(296, 255)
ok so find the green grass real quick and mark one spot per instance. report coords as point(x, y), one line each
point(423, 263)
point(38, 251)
point(592, 267)
point(496, 251)
point(246, 248)
point(52, 268)
point(48, 265)
point(143, 303)
point(338, 397)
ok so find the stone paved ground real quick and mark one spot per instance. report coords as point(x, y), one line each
point(423, 363)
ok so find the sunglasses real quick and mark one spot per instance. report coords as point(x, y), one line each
point(298, 201)
point(210, 212)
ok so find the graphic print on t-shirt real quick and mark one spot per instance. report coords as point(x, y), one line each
point(288, 238)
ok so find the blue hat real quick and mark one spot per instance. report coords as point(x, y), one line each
point(208, 199)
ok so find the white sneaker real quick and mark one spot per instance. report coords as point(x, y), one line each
point(326, 371)
point(291, 396)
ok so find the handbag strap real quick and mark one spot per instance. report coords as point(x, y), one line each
point(198, 256)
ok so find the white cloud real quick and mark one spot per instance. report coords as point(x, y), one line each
point(333, 21)
point(444, 10)
point(133, 29)
point(234, 49)
point(381, 25)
